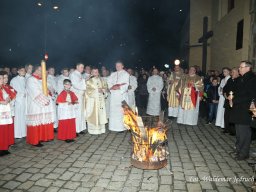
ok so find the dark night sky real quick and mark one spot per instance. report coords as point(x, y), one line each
point(96, 32)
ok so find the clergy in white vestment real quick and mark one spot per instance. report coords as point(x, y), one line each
point(79, 87)
point(52, 86)
point(221, 110)
point(118, 83)
point(61, 78)
point(19, 84)
point(95, 104)
point(105, 76)
point(133, 84)
point(172, 95)
point(29, 69)
point(39, 110)
point(190, 88)
point(154, 85)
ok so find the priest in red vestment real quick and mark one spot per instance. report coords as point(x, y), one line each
point(40, 111)
point(66, 113)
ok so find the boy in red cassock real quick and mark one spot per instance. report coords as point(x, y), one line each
point(6, 134)
point(12, 95)
point(66, 113)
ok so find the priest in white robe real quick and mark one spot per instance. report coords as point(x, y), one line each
point(52, 86)
point(61, 78)
point(79, 87)
point(221, 110)
point(154, 85)
point(18, 83)
point(133, 84)
point(190, 88)
point(95, 104)
point(118, 83)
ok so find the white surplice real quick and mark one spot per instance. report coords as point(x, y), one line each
point(19, 84)
point(154, 99)
point(131, 95)
point(79, 87)
point(116, 98)
point(37, 113)
point(221, 110)
point(60, 86)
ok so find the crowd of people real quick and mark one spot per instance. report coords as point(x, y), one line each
point(88, 98)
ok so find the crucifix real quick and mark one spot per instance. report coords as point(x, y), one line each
point(206, 35)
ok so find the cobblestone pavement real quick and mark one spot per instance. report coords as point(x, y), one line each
point(200, 156)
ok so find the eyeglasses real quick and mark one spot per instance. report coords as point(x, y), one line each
point(242, 67)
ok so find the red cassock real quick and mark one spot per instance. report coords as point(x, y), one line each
point(66, 115)
point(6, 130)
point(12, 94)
point(43, 130)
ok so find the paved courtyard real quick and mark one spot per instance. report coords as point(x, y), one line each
point(201, 158)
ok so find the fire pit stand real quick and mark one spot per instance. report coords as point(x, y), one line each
point(150, 149)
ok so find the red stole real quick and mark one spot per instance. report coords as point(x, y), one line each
point(193, 94)
point(62, 97)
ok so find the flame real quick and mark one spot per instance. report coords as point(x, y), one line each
point(147, 141)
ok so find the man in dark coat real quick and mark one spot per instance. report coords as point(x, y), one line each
point(244, 92)
point(229, 127)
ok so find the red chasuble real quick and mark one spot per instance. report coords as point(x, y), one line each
point(67, 126)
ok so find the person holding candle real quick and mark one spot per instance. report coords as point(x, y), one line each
point(6, 134)
point(244, 92)
point(40, 113)
point(66, 113)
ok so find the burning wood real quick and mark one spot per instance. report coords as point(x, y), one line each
point(148, 137)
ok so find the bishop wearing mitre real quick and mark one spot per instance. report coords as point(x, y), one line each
point(172, 95)
point(40, 112)
point(190, 89)
point(118, 83)
point(95, 104)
